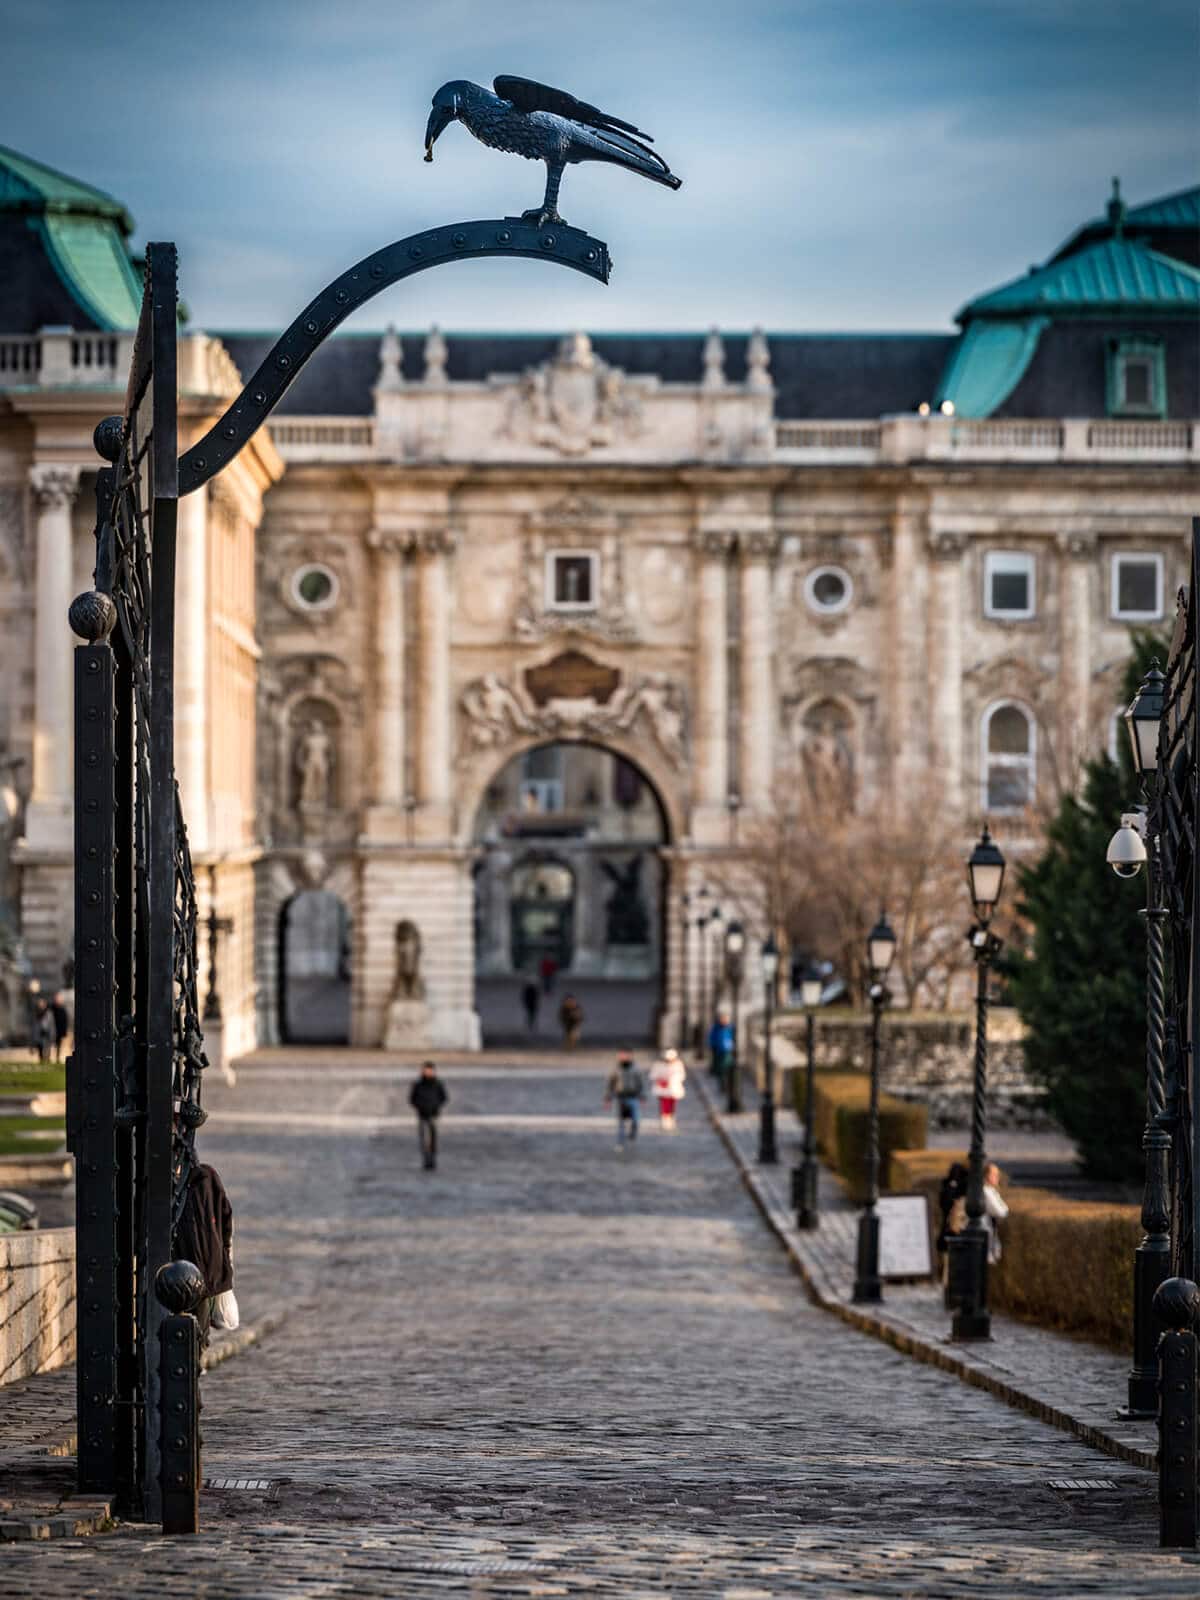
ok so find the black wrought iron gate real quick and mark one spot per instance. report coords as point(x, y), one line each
point(134, 1081)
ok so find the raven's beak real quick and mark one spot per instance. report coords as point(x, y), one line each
point(439, 118)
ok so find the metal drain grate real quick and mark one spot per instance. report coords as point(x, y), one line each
point(1079, 1485)
point(463, 1569)
point(251, 1485)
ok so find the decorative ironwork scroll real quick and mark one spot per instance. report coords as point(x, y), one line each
point(1177, 806)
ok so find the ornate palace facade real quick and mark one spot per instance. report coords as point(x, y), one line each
point(732, 563)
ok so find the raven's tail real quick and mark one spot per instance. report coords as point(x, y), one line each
point(622, 151)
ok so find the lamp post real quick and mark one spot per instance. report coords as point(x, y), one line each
point(215, 927)
point(881, 947)
point(699, 924)
point(804, 1177)
point(735, 945)
point(768, 1153)
point(967, 1258)
point(1137, 840)
point(685, 928)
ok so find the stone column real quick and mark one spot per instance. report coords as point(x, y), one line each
point(757, 701)
point(191, 665)
point(907, 746)
point(1076, 556)
point(50, 808)
point(387, 784)
point(712, 691)
point(946, 669)
point(433, 669)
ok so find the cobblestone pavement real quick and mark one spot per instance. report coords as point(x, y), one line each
point(550, 1368)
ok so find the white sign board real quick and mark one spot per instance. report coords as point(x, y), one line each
point(904, 1237)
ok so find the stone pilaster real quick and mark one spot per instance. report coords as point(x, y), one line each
point(191, 666)
point(1077, 554)
point(906, 679)
point(712, 668)
point(756, 649)
point(389, 732)
point(435, 724)
point(48, 821)
point(946, 666)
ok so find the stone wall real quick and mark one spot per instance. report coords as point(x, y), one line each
point(928, 1058)
point(37, 1302)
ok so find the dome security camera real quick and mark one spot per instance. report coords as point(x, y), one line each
point(1126, 851)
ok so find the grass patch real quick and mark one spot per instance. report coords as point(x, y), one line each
point(14, 1131)
point(28, 1077)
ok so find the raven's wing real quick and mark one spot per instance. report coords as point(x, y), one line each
point(529, 96)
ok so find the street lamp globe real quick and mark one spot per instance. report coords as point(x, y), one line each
point(735, 939)
point(985, 874)
point(812, 987)
point(1142, 720)
point(770, 960)
point(881, 947)
point(1126, 852)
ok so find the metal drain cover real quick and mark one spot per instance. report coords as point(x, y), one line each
point(1079, 1485)
point(250, 1485)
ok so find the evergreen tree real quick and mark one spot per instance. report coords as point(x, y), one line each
point(1080, 984)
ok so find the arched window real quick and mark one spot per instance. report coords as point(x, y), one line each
point(1009, 757)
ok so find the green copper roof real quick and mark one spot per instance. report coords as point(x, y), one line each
point(27, 185)
point(1117, 275)
point(987, 363)
point(82, 233)
point(1180, 210)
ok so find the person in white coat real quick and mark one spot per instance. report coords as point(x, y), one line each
point(995, 1209)
point(669, 1076)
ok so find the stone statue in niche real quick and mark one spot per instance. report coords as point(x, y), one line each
point(10, 829)
point(626, 919)
point(408, 985)
point(826, 757)
point(314, 767)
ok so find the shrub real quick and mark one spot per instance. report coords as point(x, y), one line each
point(840, 1105)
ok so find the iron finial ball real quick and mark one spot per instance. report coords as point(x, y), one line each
point(180, 1286)
point(109, 437)
point(92, 615)
point(1177, 1304)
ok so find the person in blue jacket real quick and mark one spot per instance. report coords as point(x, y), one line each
point(720, 1045)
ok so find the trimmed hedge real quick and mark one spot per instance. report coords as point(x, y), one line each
point(1066, 1264)
point(840, 1103)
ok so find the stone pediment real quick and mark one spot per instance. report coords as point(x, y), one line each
point(575, 402)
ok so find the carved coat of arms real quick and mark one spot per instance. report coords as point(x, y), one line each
point(575, 403)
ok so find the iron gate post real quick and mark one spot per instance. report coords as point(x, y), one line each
point(1177, 1305)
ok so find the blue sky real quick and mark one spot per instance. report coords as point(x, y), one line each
point(847, 164)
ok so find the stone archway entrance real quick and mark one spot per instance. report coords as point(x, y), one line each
point(570, 895)
point(314, 969)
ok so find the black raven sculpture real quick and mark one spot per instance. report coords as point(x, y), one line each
point(543, 124)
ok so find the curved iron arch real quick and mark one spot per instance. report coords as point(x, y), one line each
point(505, 236)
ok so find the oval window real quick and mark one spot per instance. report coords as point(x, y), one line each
point(315, 588)
point(828, 590)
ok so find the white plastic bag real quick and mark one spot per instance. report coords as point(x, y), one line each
point(225, 1312)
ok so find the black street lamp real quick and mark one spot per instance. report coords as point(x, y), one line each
point(881, 947)
point(804, 1177)
point(735, 947)
point(685, 929)
point(1137, 840)
point(215, 926)
point(967, 1259)
point(716, 925)
point(768, 1152)
point(698, 1027)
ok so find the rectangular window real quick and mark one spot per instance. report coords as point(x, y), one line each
point(571, 580)
point(1137, 585)
point(1008, 579)
point(1137, 378)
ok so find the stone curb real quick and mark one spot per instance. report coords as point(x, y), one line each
point(908, 1340)
point(85, 1514)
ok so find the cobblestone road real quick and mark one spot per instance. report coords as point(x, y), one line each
point(553, 1369)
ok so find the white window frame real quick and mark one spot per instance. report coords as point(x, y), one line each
point(547, 794)
point(810, 584)
point(1115, 588)
point(330, 599)
point(1007, 562)
point(593, 559)
point(986, 758)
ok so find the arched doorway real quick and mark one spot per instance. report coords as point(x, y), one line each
point(314, 969)
point(570, 895)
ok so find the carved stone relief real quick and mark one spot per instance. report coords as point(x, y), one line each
point(575, 402)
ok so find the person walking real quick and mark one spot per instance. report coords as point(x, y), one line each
point(995, 1209)
point(952, 1210)
point(531, 999)
point(547, 968)
point(669, 1076)
point(626, 1086)
point(720, 1045)
point(43, 1030)
point(570, 1014)
point(62, 1023)
point(427, 1097)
